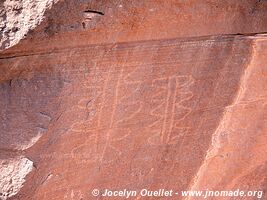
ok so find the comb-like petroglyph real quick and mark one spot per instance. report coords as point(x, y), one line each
point(131, 114)
point(170, 109)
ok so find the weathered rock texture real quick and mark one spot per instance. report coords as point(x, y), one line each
point(12, 175)
point(137, 94)
point(18, 17)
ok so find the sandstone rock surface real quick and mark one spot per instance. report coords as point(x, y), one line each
point(12, 175)
point(136, 94)
point(18, 17)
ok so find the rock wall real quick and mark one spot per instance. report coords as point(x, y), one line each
point(136, 94)
point(19, 17)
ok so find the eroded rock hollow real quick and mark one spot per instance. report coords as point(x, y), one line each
point(132, 95)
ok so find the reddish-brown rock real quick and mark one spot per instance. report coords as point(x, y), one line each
point(131, 95)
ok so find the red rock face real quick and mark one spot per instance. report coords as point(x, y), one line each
point(122, 99)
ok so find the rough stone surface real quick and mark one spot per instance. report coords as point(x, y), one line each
point(12, 175)
point(18, 17)
point(138, 94)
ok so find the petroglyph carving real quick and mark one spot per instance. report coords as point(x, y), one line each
point(74, 195)
point(170, 109)
point(88, 147)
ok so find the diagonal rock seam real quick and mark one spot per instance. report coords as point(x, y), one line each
point(22, 162)
point(215, 141)
point(60, 50)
